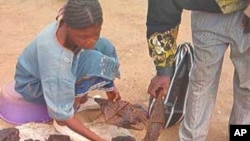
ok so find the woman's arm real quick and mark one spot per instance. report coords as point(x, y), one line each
point(75, 125)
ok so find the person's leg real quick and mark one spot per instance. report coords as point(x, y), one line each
point(101, 62)
point(104, 46)
point(96, 70)
point(209, 49)
point(240, 113)
point(240, 56)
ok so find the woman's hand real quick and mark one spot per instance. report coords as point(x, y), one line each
point(113, 95)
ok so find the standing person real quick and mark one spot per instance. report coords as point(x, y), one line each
point(216, 25)
point(65, 61)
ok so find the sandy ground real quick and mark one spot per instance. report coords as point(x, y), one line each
point(124, 25)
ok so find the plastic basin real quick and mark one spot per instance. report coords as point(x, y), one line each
point(14, 109)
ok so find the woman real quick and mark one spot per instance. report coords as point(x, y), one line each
point(65, 61)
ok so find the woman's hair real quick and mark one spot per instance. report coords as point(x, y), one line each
point(82, 13)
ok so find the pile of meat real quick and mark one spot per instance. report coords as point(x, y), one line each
point(12, 134)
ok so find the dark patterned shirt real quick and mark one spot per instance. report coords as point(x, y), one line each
point(164, 17)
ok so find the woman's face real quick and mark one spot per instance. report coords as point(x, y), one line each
point(85, 38)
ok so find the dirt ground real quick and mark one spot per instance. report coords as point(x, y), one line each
point(124, 25)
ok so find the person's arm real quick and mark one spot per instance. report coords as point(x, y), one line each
point(58, 90)
point(59, 97)
point(163, 19)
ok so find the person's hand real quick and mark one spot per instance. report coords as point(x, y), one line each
point(159, 82)
point(246, 24)
point(113, 95)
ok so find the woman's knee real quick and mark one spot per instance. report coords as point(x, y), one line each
point(104, 46)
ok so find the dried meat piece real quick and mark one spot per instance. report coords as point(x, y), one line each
point(123, 138)
point(31, 140)
point(58, 137)
point(156, 119)
point(9, 134)
point(122, 114)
